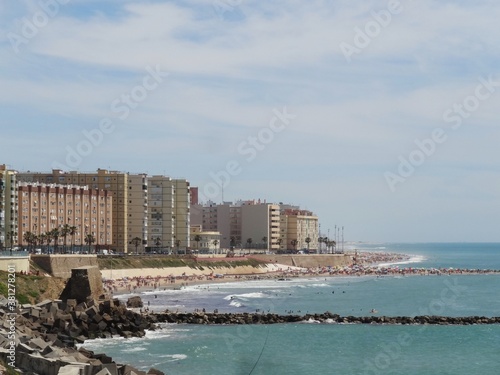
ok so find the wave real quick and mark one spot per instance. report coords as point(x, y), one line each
point(245, 296)
point(311, 321)
point(173, 357)
point(236, 304)
point(413, 259)
point(134, 349)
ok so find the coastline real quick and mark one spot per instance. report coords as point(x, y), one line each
point(369, 264)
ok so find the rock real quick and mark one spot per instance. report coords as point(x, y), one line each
point(135, 302)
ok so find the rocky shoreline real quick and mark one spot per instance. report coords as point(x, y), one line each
point(42, 338)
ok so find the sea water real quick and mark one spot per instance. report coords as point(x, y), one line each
point(312, 348)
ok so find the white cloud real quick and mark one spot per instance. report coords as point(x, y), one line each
point(227, 75)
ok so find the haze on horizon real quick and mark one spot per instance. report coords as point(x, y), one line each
point(382, 117)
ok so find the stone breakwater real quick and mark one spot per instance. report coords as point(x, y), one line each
point(46, 335)
point(327, 318)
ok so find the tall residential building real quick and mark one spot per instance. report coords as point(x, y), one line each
point(168, 214)
point(44, 207)
point(260, 223)
point(8, 208)
point(297, 227)
point(129, 194)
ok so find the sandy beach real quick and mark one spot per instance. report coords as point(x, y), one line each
point(126, 281)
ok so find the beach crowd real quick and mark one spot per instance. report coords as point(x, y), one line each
point(363, 264)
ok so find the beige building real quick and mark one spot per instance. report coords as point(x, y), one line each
point(129, 194)
point(45, 207)
point(8, 208)
point(237, 222)
point(261, 224)
point(205, 241)
point(168, 214)
point(299, 230)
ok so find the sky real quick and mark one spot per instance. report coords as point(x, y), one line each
point(379, 116)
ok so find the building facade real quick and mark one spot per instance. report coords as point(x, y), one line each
point(299, 230)
point(205, 242)
point(260, 225)
point(128, 193)
point(261, 222)
point(168, 214)
point(8, 208)
point(46, 207)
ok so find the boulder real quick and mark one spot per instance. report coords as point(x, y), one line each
point(134, 302)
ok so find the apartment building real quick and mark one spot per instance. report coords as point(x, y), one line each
point(299, 230)
point(260, 224)
point(237, 222)
point(168, 214)
point(8, 208)
point(129, 196)
point(44, 207)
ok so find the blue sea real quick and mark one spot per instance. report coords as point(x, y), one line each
point(312, 348)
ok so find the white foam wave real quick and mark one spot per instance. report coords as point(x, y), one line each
point(235, 303)
point(134, 349)
point(173, 357)
point(311, 321)
point(413, 259)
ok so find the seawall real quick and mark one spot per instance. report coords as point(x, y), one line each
point(60, 265)
point(188, 271)
point(19, 263)
point(307, 261)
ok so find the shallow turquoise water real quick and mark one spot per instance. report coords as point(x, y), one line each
point(311, 348)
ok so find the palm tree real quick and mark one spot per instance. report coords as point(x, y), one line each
point(43, 238)
point(28, 238)
point(264, 240)
point(136, 241)
point(65, 230)
point(320, 241)
point(177, 244)
point(215, 242)
point(294, 244)
point(249, 242)
point(72, 231)
point(56, 233)
point(197, 238)
point(279, 241)
point(308, 241)
point(89, 240)
point(48, 238)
